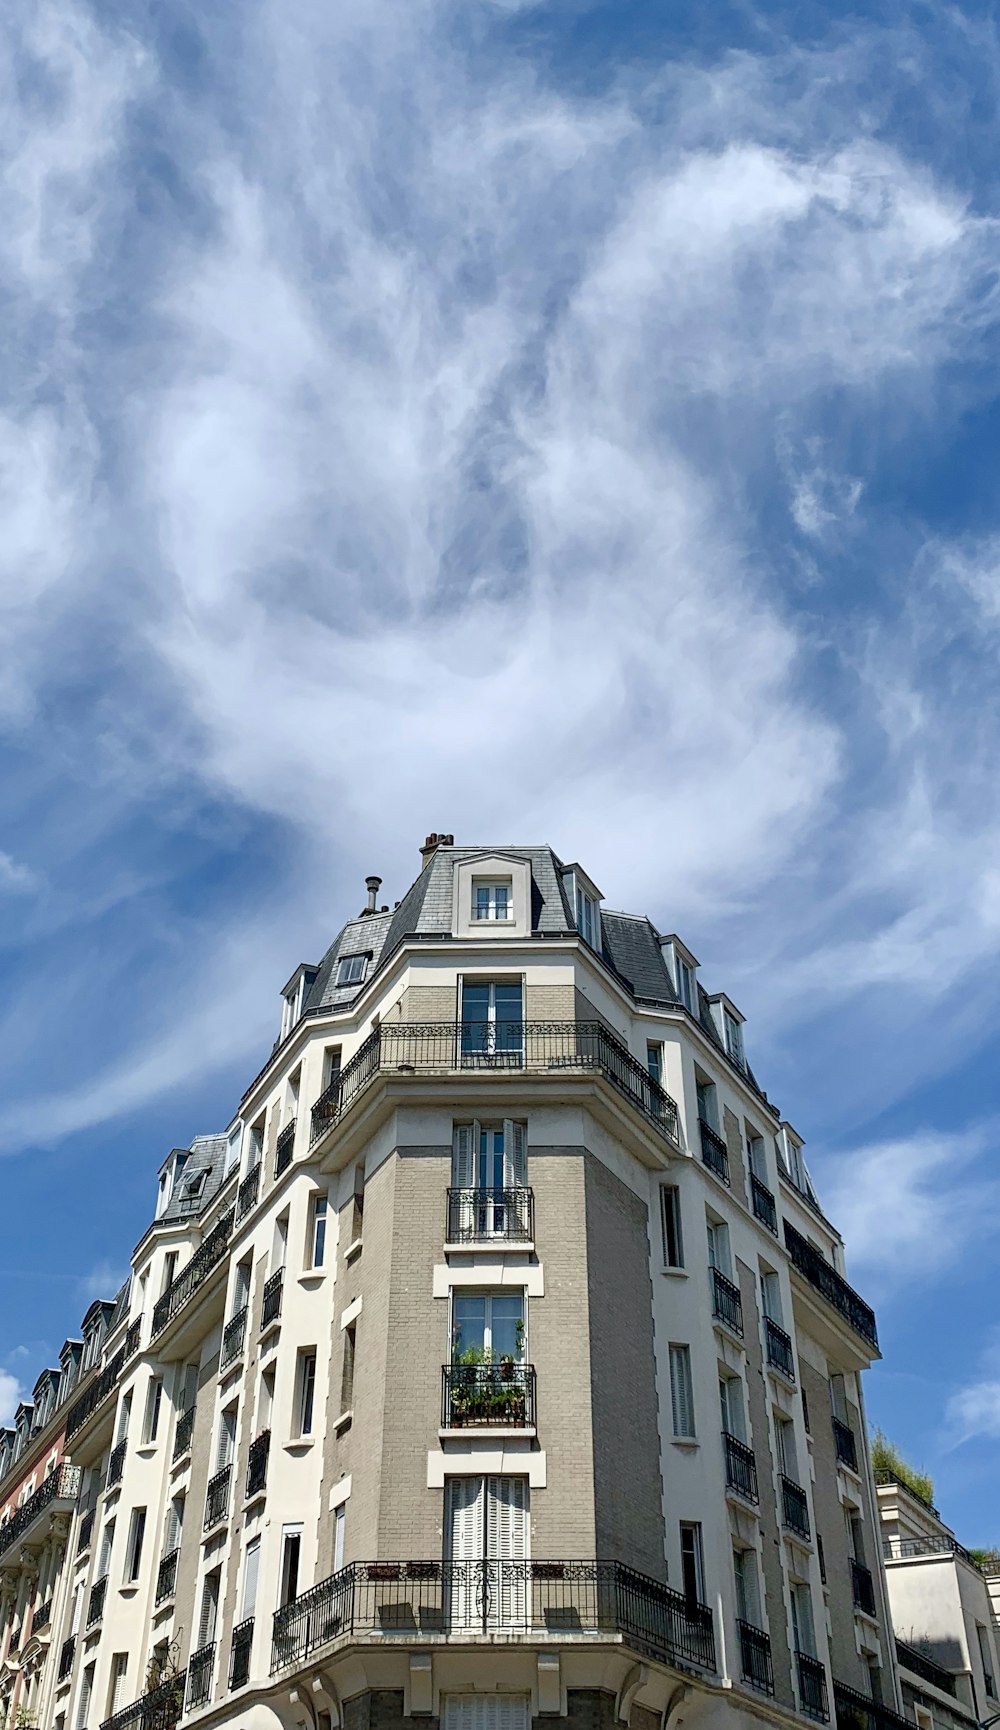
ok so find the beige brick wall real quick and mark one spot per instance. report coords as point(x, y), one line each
point(734, 1143)
point(831, 1526)
point(549, 1002)
point(776, 1614)
point(562, 1515)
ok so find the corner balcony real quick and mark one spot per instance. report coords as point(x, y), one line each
point(427, 1601)
point(57, 1495)
point(488, 1396)
point(831, 1286)
point(196, 1290)
point(491, 1216)
point(445, 1048)
point(157, 1710)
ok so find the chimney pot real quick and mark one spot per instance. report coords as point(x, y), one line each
point(373, 885)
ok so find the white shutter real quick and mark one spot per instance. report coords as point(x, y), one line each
point(681, 1398)
point(507, 1542)
point(118, 1682)
point(463, 1155)
point(209, 1609)
point(465, 1547)
point(515, 1154)
point(227, 1437)
point(251, 1571)
point(485, 1712)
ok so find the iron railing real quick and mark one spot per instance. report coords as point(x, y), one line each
point(132, 1337)
point(714, 1151)
point(812, 1687)
point(86, 1531)
point(257, 1463)
point(741, 1467)
point(883, 1475)
point(902, 1549)
point(862, 1588)
point(166, 1576)
point(921, 1665)
point(61, 1485)
point(95, 1603)
point(284, 1148)
point(779, 1348)
point(96, 1394)
point(246, 1195)
point(67, 1652)
point(271, 1308)
point(406, 1047)
point(194, 1274)
point(217, 1497)
point(158, 1710)
point(794, 1507)
point(727, 1305)
point(183, 1433)
point(845, 1442)
point(764, 1205)
point(116, 1464)
point(755, 1657)
point(831, 1285)
point(42, 1616)
point(474, 1395)
point(199, 1676)
point(477, 1215)
point(239, 1654)
point(233, 1335)
point(860, 1712)
point(417, 1598)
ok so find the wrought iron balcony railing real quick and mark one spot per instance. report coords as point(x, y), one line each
point(846, 1444)
point(246, 1195)
point(495, 1597)
point(812, 1687)
point(199, 1676)
point(95, 1395)
point(86, 1532)
point(862, 1588)
point(727, 1304)
point(42, 1617)
point(779, 1348)
point(239, 1656)
point(922, 1665)
point(479, 1215)
point(883, 1475)
point(217, 1497)
point(902, 1549)
point(764, 1205)
point(794, 1507)
point(62, 1485)
point(714, 1151)
point(860, 1712)
point(67, 1652)
point(831, 1285)
point(158, 1710)
point(194, 1274)
point(116, 1464)
point(477, 1395)
point(284, 1147)
point(409, 1047)
point(741, 1467)
point(271, 1308)
point(233, 1335)
point(257, 1463)
point(183, 1433)
point(95, 1603)
point(755, 1657)
point(166, 1576)
point(132, 1337)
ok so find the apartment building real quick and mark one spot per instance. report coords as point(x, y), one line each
point(496, 1362)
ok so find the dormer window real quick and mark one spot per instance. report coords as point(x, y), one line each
point(351, 969)
point(685, 983)
point(492, 900)
point(587, 919)
point(193, 1185)
point(734, 1038)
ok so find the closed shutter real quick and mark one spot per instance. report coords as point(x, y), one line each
point(485, 1712)
point(209, 1610)
point(507, 1544)
point(227, 1437)
point(515, 1154)
point(250, 1580)
point(463, 1155)
point(682, 1402)
point(466, 1534)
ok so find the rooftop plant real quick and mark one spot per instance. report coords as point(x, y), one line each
point(887, 1458)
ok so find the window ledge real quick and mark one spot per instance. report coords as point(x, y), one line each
point(689, 1443)
point(182, 1460)
point(311, 1280)
point(269, 1334)
point(147, 1451)
point(129, 1589)
point(300, 1445)
point(674, 1272)
point(344, 1420)
point(492, 1246)
point(482, 1432)
point(353, 1249)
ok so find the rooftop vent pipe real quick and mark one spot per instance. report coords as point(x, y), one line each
point(373, 885)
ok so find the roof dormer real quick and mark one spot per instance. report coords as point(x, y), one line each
point(585, 904)
point(294, 995)
point(491, 896)
point(728, 1022)
point(683, 969)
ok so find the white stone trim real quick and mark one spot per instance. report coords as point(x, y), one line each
point(520, 1461)
point(528, 1278)
point(340, 1493)
point(351, 1313)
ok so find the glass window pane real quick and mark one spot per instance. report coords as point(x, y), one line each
point(468, 1324)
point(508, 1311)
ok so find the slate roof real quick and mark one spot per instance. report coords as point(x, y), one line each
point(207, 1153)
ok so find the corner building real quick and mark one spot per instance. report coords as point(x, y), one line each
point(497, 1363)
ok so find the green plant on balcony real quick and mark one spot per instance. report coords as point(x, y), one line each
point(886, 1457)
point(477, 1396)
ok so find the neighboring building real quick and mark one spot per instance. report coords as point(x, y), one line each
point(942, 1612)
point(497, 1362)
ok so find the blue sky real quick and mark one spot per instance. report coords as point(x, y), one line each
point(570, 422)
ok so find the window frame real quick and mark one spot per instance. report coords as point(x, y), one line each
point(681, 1391)
point(671, 1225)
point(485, 912)
point(348, 973)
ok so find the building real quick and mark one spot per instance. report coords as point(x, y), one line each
point(942, 1612)
point(496, 1362)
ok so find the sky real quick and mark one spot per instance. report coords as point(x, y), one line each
point(563, 422)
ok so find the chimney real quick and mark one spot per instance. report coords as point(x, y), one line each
point(373, 885)
point(432, 843)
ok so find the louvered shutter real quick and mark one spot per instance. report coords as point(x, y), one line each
point(250, 1580)
point(485, 1712)
point(463, 1156)
point(227, 1438)
point(118, 1682)
point(506, 1545)
point(515, 1154)
point(680, 1391)
point(209, 1609)
point(466, 1536)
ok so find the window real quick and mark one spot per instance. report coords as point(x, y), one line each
point(279, 1243)
point(351, 969)
point(492, 900)
point(670, 1225)
point(492, 1020)
point(192, 1186)
point(770, 1292)
point(241, 1287)
point(107, 1545)
point(233, 1147)
point(255, 1145)
point(756, 1158)
point(986, 1654)
point(291, 1548)
point(175, 1524)
point(490, 1322)
point(734, 1038)
point(718, 1247)
point(154, 1399)
point(692, 1565)
point(86, 1695)
point(124, 1417)
point(708, 1106)
point(803, 1632)
point(119, 1676)
point(747, 1586)
point(681, 1391)
point(855, 1535)
point(209, 1609)
point(339, 1529)
point(487, 1517)
point(587, 918)
point(331, 1065)
point(317, 1230)
point(654, 1061)
point(227, 1439)
point(838, 1397)
point(347, 1368)
point(133, 1555)
point(169, 1269)
point(685, 984)
point(306, 1392)
point(251, 1571)
point(731, 1403)
point(784, 1435)
point(490, 1156)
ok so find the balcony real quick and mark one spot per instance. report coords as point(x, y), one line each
point(86, 1532)
point(233, 1336)
point(95, 1396)
point(132, 1338)
point(217, 1498)
point(116, 1465)
point(495, 1597)
point(764, 1206)
point(271, 1309)
point(67, 1652)
point(755, 1657)
point(491, 1215)
point(199, 1676)
point(845, 1443)
point(806, 1259)
point(158, 1710)
point(239, 1656)
point(194, 1275)
point(727, 1305)
point(779, 1349)
point(741, 1467)
point(95, 1603)
point(284, 1147)
point(526, 1047)
point(246, 1195)
point(921, 1665)
point(904, 1549)
point(714, 1152)
point(42, 1617)
point(862, 1588)
point(57, 1494)
point(794, 1507)
point(166, 1576)
point(183, 1434)
point(812, 1687)
point(484, 1396)
point(257, 1464)
point(859, 1712)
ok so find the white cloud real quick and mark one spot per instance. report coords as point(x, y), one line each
point(16, 878)
point(104, 1280)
